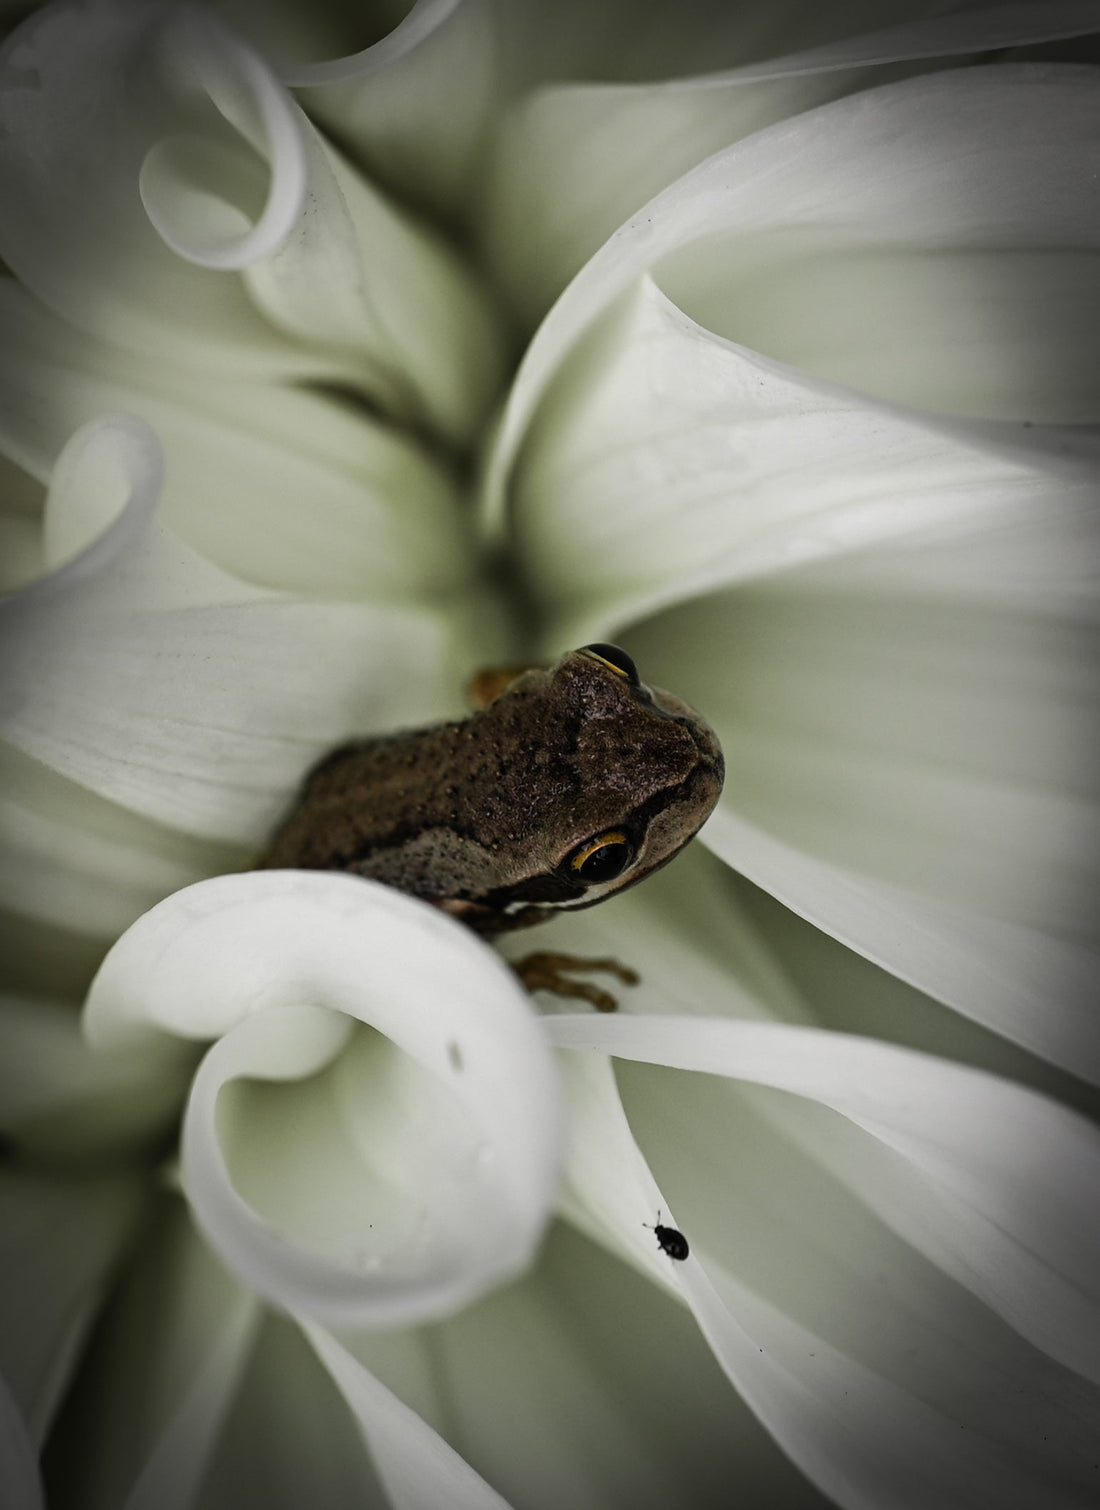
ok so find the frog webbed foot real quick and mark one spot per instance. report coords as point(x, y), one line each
point(547, 972)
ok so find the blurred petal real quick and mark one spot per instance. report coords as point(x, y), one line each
point(574, 160)
point(950, 1404)
point(158, 1380)
point(58, 1098)
point(20, 1485)
point(213, 141)
point(930, 242)
point(581, 1384)
point(416, 1465)
point(60, 1239)
point(415, 106)
point(285, 487)
point(77, 862)
point(391, 306)
point(438, 1133)
point(289, 1439)
point(144, 673)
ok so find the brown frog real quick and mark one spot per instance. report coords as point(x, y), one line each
point(567, 785)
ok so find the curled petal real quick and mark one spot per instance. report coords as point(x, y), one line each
point(276, 483)
point(423, 18)
point(195, 120)
point(415, 106)
point(438, 1132)
point(146, 674)
point(906, 218)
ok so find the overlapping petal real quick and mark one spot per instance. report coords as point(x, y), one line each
point(869, 227)
point(68, 1231)
point(574, 160)
point(276, 484)
point(146, 674)
point(905, 604)
point(215, 144)
point(435, 1122)
point(823, 1359)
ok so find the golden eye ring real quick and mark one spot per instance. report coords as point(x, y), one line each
point(602, 858)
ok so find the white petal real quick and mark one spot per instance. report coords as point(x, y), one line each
point(583, 1384)
point(391, 306)
point(911, 1428)
point(278, 484)
point(671, 463)
point(574, 160)
point(1007, 1171)
point(77, 862)
point(438, 1133)
point(185, 97)
point(289, 1439)
point(911, 767)
point(939, 221)
point(60, 1239)
point(1032, 984)
point(19, 1480)
point(163, 684)
point(59, 1099)
point(416, 1465)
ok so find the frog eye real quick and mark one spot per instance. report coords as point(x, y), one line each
point(602, 858)
point(616, 659)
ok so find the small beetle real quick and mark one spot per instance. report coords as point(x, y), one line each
point(669, 1240)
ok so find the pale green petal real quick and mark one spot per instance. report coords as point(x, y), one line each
point(583, 1384)
point(59, 1099)
point(415, 106)
point(77, 862)
point(280, 485)
point(159, 1379)
point(669, 462)
point(437, 1130)
point(20, 1484)
point(60, 1239)
point(289, 1440)
point(689, 935)
point(884, 1381)
point(390, 305)
point(195, 120)
point(416, 1465)
point(575, 160)
point(931, 242)
point(146, 674)
point(999, 1176)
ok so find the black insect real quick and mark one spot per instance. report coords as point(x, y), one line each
point(670, 1241)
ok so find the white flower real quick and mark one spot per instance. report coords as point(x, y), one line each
point(307, 1202)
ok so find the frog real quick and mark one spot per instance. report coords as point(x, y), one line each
point(568, 784)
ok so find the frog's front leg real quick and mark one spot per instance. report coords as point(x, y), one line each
point(547, 972)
